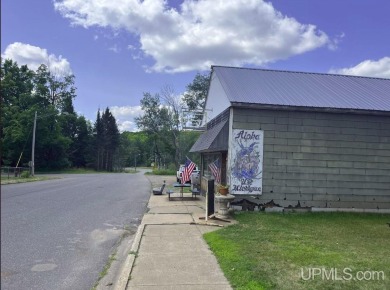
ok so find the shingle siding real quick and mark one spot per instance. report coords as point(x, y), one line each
point(322, 159)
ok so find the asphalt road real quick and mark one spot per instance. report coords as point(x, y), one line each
point(59, 234)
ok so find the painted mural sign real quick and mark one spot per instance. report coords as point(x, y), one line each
point(246, 162)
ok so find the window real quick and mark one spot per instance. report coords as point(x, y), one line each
point(207, 159)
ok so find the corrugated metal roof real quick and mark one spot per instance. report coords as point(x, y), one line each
point(287, 88)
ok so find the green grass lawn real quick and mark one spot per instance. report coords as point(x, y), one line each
point(13, 180)
point(283, 251)
point(161, 172)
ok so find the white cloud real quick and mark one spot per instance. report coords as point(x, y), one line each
point(333, 45)
point(127, 126)
point(200, 33)
point(34, 56)
point(369, 68)
point(125, 117)
point(114, 48)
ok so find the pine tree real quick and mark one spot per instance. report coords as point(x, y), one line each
point(107, 139)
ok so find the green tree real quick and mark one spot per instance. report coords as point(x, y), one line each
point(16, 110)
point(57, 90)
point(111, 139)
point(136, 144)
point(195, 96)
point(53, 95)
point(79, 131)
point(187, 139)
point(25, 92)
point(107, 141)
point(160, 122)
point(51, 146)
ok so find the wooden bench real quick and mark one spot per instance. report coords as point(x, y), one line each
point(159, 191)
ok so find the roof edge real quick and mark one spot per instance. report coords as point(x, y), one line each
point(309, 109)
point(296, 72)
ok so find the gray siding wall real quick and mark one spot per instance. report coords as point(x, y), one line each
point(322, 159)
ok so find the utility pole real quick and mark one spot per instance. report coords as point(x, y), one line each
point(33, 146)
point(33, 139)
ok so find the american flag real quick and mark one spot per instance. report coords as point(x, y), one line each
point(189, 166)
point(215, 168)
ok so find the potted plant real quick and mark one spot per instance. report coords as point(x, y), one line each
point(223, 189)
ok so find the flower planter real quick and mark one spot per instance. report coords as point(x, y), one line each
point(223, 191)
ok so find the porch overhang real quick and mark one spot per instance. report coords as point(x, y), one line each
point(214, 139)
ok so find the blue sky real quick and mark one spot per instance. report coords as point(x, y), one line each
point(119, 49)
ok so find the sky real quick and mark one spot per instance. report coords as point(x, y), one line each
point(120, 49)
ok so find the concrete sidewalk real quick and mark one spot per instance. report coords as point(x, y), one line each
point(169, 251)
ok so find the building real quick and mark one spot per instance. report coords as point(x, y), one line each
point(298, 139)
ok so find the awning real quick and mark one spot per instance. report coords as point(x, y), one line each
point(214, 139)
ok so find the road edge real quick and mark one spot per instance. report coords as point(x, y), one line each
point(129, 262)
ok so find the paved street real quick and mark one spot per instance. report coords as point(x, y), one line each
point(58, 234)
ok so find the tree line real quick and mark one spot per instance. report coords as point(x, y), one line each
point(65, 139)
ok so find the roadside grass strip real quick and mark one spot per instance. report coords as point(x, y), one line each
point(14, 180)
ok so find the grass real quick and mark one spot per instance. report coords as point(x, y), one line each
point(278, 251)
point(13, 180)
point(28, 178)
point(162, 172)
point(104, 272)
point(127, 232)
point(107, 266)
point(70, 171)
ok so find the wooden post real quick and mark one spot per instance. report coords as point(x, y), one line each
point(210, 198)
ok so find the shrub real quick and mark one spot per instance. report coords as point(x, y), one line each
point(164, 172)
point(25, 174)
